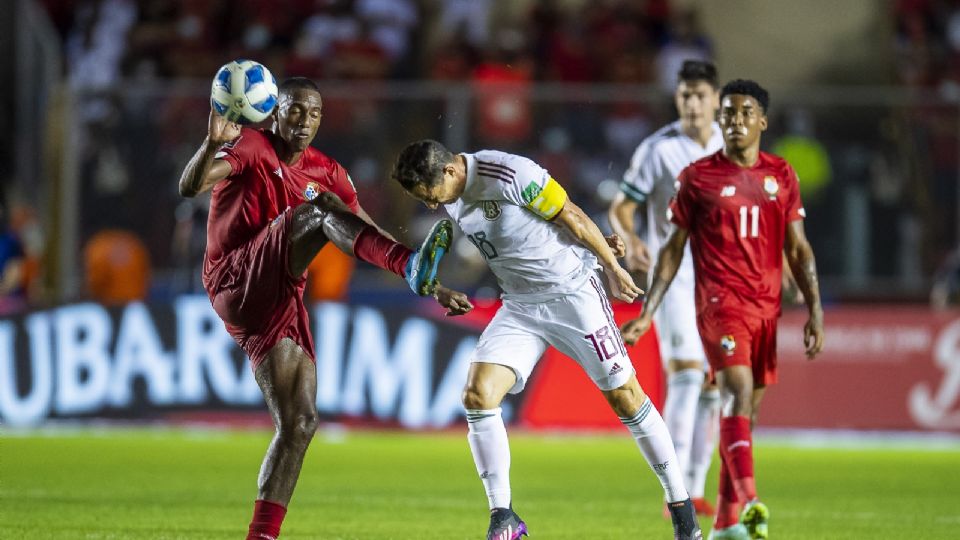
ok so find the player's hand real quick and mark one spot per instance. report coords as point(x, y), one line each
point(621, 284)
point(633, 329)
point(616, 245)
point(456, 302)
point(220, 130)
point(638, 256)
point(813, 334)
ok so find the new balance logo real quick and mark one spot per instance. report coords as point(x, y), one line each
point(615, 369)
point(728, 191)
point(737, 445)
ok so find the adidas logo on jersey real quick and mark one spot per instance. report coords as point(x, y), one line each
point(279, 172)
point(615, 369)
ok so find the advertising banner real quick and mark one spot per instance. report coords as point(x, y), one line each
point(402, 366)
point(885, 368)
point(142, 362)
point(889, 368)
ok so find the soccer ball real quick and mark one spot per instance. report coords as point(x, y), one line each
point(244, 92)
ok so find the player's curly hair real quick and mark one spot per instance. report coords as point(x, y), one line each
point(696, 70)
point(746, 87)
point(421, 162)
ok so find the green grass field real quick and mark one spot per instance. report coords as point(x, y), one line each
point(156, 484)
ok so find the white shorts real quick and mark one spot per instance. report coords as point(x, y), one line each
point(580, 325)
point(676, 323)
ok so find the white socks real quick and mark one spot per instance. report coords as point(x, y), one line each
point(680, 412)
point(652, 437)
point(491, 454)
point(705, 431)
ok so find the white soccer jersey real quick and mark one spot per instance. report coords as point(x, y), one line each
point(652, 178)
point(505, 211)
point(653, 172)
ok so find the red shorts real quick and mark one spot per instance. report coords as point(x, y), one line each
point(257, 298)
point(731, 339)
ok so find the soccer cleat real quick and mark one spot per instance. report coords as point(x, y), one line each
point(703, 507)
point(505, 524)
point(736, 532)
point(421, 270)
point(754, 517)
point(684, 519)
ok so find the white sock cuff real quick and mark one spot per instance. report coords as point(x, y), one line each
point(477, 419)
point(687, 377)
point(634, 422)
point(710, 396)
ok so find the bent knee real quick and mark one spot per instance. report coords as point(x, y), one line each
point(301, 427)
point(626, 400)
point(329, 201)
point(736, 402)
point(481, 395)
point(308, 217)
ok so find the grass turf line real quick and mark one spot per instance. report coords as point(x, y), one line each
point(173, 484)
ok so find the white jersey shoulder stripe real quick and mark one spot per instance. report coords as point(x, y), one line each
point(496, 170)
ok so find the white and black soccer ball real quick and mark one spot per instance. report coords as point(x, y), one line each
point(244, 91)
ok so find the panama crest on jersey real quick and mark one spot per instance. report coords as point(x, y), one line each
point(311, 191)
point(728, 344)
point(491, 210)
point(771, 186)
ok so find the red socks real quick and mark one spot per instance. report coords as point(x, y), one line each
point(728, 504)
point(374, 248)
point(736, 449)
point(267, 518)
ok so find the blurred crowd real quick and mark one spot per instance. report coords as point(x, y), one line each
point(928, 43)
point(140, 239)
point(117, 51)
point(611, 40)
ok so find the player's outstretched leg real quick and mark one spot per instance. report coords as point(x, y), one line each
point(288, 380)
point(327, 219)
point(421, 269)
point(486, 386)
point(641, 418)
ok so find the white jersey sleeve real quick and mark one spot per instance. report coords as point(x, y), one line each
point(645, 168)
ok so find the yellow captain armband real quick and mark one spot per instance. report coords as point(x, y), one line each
point(546, 201)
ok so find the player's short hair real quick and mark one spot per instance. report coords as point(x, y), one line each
point(293, 84)
point(745, 87)
point(421, 162)
point(697, 70)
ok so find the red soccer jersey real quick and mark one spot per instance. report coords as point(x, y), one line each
point(259, 188)
point(737, 219)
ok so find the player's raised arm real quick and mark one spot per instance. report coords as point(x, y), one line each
point(203, 171)
point(621, 215)
point(587, 233)
point(799, 255)
point(668, 261)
